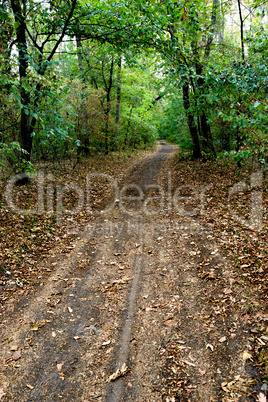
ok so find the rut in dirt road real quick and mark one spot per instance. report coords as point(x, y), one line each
point(140, 305)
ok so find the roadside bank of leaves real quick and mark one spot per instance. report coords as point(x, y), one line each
point(215, 198)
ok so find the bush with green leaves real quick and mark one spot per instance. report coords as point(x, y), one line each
point(10, 158)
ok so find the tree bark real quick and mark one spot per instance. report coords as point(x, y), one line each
point(108, 88)
point(191, 123)
point(79, 56)
point(83, 135)
point(129, 120)
point(206, 135)
point(241, 30)
point(118, 95)
point(25, 125)
point(204, 126)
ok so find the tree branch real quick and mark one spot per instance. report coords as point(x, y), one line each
point(63, 31)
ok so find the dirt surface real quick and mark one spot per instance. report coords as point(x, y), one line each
point(142, 309)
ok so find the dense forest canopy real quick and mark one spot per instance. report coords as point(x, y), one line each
point(84, 76)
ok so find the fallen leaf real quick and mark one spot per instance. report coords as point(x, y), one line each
point(59, 366)
point(222, 339)
point(123, 280)
point(106, 343)
point(261, 397)
point(16, 355)
point(232, 281)
point(211, 275)
point(189, 363)
point(227, 291)
point(209, 346)
point(246, 356)
point(34, 327)
point(119, 373)
point(237, 385)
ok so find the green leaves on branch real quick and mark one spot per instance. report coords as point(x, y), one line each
point(9, 155)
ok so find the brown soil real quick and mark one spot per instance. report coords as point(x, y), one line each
point(146, 307)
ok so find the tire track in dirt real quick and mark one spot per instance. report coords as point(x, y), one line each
point(116, 390)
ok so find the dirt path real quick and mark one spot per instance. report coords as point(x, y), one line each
point(145, 292)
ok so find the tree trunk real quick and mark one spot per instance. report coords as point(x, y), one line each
point(241, 30)
point(206, 137)
point(129, 120)
point(206, 133)
point(108, 88)
point(118, 95)
point(191, 123)
point(238, 144)
point(204, 126)
point(83, 135)
point(79, 56)
point(25, 123)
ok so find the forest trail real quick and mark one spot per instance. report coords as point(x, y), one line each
point(142, 322)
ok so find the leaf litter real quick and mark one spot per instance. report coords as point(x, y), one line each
point(247, 276)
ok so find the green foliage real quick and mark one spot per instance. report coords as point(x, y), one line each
point(116, 81)
point(9, 157)
point(172, 124)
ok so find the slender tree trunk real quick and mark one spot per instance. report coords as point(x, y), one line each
point(83, 135)
point(206, 136)
point(79, 56)
point(238, 139)
point(108, 88)
point(128, 123)
point(118, 95)
point(204, 126)
point(214, 23)
point(206, 133)
point(241, 30)
point(25, 122)
point(238, 143)
point(191, 123)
